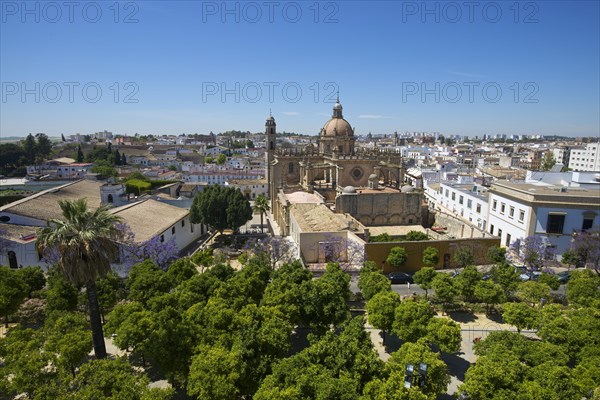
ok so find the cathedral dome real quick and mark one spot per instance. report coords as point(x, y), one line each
point(337, 127)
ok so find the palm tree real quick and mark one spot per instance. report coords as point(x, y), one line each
point(261, 204)
point(85, 243)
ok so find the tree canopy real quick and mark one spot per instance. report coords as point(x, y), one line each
point(221, 207)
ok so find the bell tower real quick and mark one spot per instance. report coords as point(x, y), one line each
point(270, 140)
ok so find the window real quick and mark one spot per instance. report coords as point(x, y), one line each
point(587, 223)
point(173, 230)
point(453, 195)
point(492, 229)
point(500, 233)
point(446, 192)
point(511, 213)
point(290, 168)
point(502, 208)
point(162, 238)
point(494, 205)
point(182, 223)
point(110, 198)
point(555, 223)
point(478, 208)
point(460, 200)
point(507, 243)
point(469, 203)
point(521, 215)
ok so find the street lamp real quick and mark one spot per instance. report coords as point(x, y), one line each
point(414, 378)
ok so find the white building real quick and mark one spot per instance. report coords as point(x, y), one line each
point(585, 159)
point(519, 210)
point(251, 188)
point(20, 221)
point(466, 201)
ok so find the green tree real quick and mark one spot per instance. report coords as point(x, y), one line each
point(34, 278)
point(214, 373)
point(520, 315)
point(496, 254)
point(397, 257)
point(29, 147)
point(445, 333)
point(410, 320)
point(383, 237)
point(533, 292)
point(424, 277)
point(489, 293)
point(570, 258)
point(108, 292)
point(13, 291)
point(506, 276)
point(118, 158)
point(431, 257)
point(415, 236)
point(221, 158)
point(466, 281)
point(68, 336)
point(114, 379)
point(381, 310)
point(85, 241)
point(494, 374)
point(147, 281)
point(104, 169)
point(61, 294)
point(582, 288)
point(261, 205)
point(548, 161)
point(325, 299)
point(221, 207)
point(43, 146)
point(135, 328)
point(371, 283)
point(286, 290)
point(25, 366)
point(550, 280)
point(416, 353)
point(444, 289)
point(463, 256)
point(80, 157)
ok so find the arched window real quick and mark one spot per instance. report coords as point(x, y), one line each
point(110, 198)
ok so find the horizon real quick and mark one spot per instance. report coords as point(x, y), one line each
point(498, 68)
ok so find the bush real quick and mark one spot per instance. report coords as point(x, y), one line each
point(137, 186)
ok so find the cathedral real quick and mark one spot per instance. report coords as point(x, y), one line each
point(365, 186)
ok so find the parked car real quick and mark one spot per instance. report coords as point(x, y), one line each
point(563, 277)
point(400, 277)
point(530, 276)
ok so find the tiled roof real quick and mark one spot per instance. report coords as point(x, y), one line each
point(149, 218)
point(44, 205)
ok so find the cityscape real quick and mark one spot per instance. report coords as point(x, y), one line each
point(191, 210)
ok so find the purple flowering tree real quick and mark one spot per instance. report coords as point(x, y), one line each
point(279, 249)
point(586, 248)
point(347, 253)
point(533, 251)
point(161, 253)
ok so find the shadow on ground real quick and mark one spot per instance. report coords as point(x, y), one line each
point(457, 366)
point(462, 317)
point(392, 342)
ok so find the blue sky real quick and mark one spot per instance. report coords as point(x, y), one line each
point(195, 67)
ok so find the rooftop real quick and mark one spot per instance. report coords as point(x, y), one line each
point(136, 215)
point(44, 205)
point(318, 218)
